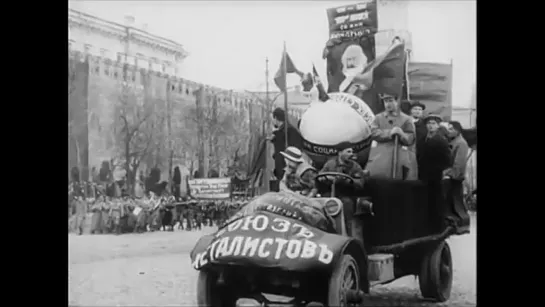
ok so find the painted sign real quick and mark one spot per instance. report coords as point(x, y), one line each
point(356, 103)
point(351, 47)
point(353, 21)
point(266, 239)
point(210, 188)
point(281, 230)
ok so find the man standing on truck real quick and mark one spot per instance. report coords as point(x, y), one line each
point(388, 125)
point(454, 176)
point(299, 175)
point(417, 111)
point(434, 158)
point(344, 163)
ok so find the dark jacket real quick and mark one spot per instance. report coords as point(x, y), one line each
point(458, 162)
point(279, 143)
point(421, 132)
point(434, 158)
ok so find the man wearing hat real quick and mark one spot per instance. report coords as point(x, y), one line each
point(299, 175)
point(345, 163)
point(435, 153)
point(386, 127)
point(417, 113)
point(433, 159)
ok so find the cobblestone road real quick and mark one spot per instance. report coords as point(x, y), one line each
point(153, 269)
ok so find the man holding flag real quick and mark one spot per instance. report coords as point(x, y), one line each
point(284, 134)
point(388, 126)
point(392, 130)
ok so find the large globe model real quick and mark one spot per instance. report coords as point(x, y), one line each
point(343, 118)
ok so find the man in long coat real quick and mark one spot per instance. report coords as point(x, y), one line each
point(434, 158)
point(454, 176)
point(387, 126)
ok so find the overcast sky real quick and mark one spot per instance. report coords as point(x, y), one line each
point(228, 41)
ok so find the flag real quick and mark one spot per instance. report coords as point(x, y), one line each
point(322, 95)
point(280, 76)
point(386, 73)
point(310, 80)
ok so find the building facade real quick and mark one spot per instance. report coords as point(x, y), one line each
point(124, 43)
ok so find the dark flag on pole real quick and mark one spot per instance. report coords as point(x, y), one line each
point(386, 73)
point(280, 76)
point(309, 81)
point(322, 95)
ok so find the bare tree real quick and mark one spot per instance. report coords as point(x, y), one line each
point(77, 118)
point(138, 129)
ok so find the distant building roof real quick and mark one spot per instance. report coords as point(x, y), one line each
point(82, 19)
point(296, 98)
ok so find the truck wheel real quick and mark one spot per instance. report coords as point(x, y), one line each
point(344, 279)
point(209, 294)
point(435, 277)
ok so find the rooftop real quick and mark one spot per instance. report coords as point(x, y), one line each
point(79, 18)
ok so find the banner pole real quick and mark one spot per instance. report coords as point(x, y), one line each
point(285, 73)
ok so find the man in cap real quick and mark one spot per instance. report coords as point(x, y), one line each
point(417, 113)
point(454, 175)
point(345, 163)
point(386, 127)
point(435, 153)
point(434, 158)
point(299, 175)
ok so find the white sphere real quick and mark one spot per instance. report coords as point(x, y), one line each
point(331, 122)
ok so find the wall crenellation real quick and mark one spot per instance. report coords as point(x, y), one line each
point(177, 85)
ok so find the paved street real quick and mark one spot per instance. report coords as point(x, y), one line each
point(153, 269)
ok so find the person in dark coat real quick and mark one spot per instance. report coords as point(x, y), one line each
point(434, 158)
point(279, 140)
point(417, 110)
point(177, 180)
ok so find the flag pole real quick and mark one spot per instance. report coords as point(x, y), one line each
point(450, 87)
point(407, 81)
point(266, 171)
point(285, 73)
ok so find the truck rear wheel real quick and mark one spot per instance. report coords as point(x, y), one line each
point(435, 276)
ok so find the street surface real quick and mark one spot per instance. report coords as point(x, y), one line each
point(153, 269)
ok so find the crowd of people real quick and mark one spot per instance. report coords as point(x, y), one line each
point(153, 213)
point(152, 206)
